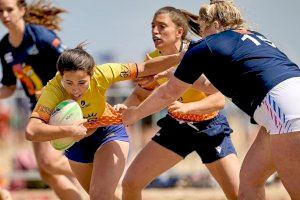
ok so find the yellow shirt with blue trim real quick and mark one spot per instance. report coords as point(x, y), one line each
point(191, 95)
point(93, 102)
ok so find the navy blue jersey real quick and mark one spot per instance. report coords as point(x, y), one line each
point(243, 66)
point(33, 62)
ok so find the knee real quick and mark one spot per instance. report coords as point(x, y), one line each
point(250, 184)
point(47, 178)
point(130, 183)
point(249, 179)
point(45, 164)
point(232, 195)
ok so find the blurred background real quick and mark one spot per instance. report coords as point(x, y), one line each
point(120, 31)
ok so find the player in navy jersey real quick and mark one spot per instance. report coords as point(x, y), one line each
point(260, 79)
point(29, 52)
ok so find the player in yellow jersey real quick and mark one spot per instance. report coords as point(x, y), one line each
point(192, 124)
point(28, 53)
point(98, 158)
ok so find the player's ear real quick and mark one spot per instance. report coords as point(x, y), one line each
point(217, 26)
point(180, 32)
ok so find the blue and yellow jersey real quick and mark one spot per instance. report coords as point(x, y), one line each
point(93, 101)
point(191, 95)
point(33, 62)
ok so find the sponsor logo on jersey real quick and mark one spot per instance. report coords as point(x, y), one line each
point(84, 104)
point(91, 118)
point(125, 72)
point(33, 50)
point(8, 57)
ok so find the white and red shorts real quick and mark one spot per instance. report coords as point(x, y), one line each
point(279, 111)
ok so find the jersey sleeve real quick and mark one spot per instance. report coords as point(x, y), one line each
point(191, 66)
point(51, 96)
point(8, 77)
point(110, 73)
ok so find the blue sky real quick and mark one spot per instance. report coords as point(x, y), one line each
point(123, 27)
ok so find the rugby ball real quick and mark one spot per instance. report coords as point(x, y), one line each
point(65, 113)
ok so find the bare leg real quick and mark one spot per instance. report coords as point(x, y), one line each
point(153, 160)
point(286, 151)
point(55, 171)
point(226, 172)
point(256, 168)
point(108, 167)
point(83, 173)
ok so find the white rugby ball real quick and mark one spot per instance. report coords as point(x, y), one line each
point(65, 113)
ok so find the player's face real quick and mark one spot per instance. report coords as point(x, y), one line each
point(75, 83)
point(10, 13)
point(165, 33)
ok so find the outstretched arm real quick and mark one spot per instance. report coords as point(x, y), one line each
point(209, 104)
point(158, 64)
point(159, 99)
point(137, 96)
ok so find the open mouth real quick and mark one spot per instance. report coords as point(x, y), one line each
point(6, 22)
point(155, 38)
point(76, 96)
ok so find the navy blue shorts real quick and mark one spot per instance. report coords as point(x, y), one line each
point(210, 139)
point(84, 150)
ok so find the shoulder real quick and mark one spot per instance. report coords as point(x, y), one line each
point(38, 28)
point(40, 32)
point(198, 46)
point(224, 42)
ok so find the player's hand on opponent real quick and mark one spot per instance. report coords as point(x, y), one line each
point(129, 116)
point(78, 131)
point(144, 81)
point(165, 74)
point(148, 80)
point(120, 107)
point(179, 107)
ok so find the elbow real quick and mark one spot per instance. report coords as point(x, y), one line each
point(220, 104)
point(30, 134)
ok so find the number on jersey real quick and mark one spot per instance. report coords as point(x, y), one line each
point(256, 42)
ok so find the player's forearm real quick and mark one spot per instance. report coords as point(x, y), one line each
point(204, 85)
point(159, 99)
point(158, 64)
point(212, 103)
point(138, 95)
point(38, 131)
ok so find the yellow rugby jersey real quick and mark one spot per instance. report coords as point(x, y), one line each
point(93, 101)
point(191, 95)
